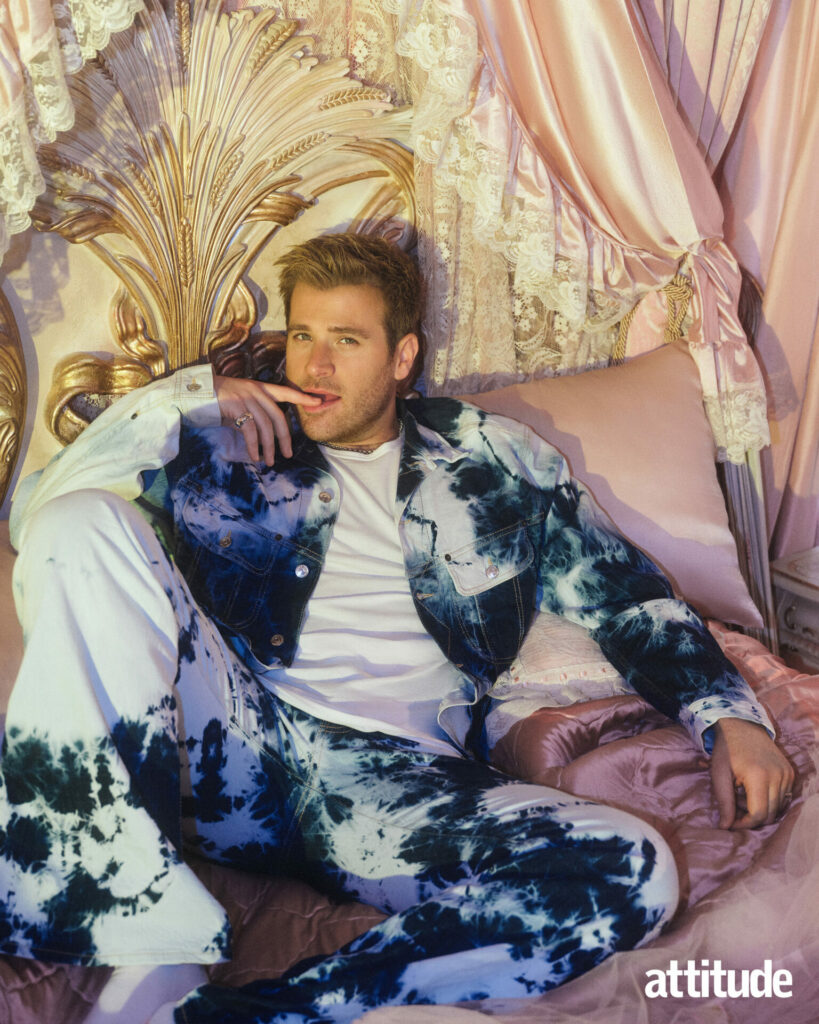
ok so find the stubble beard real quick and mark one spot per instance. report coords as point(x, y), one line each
point(354, 426)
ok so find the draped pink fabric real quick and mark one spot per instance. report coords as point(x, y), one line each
point(768, 185)
point(602, 117)
point(707, 49)
point(585, 82)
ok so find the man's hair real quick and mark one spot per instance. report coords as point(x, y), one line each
point(328, 261)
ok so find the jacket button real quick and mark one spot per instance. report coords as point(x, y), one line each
point(226, 541)
point(194, 385)
point(325, 496)
point(277, 640)
point(492, 571)
point(301, 571)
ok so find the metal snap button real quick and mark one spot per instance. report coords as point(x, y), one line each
point(194, 385)
point(492, 571)
point(277, 640)
point(226, 541)
point(301, 571)
point(325, 496)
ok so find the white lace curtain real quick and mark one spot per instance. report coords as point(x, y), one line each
point(42, 41)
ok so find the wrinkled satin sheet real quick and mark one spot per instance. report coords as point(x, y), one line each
point(747, 896)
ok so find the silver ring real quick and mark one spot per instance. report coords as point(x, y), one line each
point(240, 421)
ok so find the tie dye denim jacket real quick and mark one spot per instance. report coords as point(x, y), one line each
point(492, 528)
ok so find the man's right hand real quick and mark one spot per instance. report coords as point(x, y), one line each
point(257, 407)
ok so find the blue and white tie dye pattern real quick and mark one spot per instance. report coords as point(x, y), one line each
point(495, 887)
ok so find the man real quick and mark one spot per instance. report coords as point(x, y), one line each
point(299, 689)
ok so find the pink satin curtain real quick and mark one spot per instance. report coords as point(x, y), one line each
point(632, 103)
point(768, 184)
point(707, 50)
point(601, 115)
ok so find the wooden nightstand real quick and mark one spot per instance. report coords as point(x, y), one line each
point(795, 580)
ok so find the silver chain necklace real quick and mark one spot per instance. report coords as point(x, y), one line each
point(361, 451)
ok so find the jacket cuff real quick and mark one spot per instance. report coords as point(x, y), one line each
point(707, 711)
point(195, 396)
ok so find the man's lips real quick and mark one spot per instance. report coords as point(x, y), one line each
point(327, 398)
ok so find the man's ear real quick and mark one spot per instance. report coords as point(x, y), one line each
point(405, 352)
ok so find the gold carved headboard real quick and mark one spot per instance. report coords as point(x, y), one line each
point(12, 393)
point(199, 135)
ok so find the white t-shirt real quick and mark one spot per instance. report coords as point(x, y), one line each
point(364, 659)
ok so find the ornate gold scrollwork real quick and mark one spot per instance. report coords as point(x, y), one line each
point(198, 136)
point(12, 394)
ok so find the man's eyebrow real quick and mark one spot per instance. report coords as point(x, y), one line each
point(359, 331)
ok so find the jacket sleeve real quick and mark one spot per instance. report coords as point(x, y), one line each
point(592, 575)
point(138, 433)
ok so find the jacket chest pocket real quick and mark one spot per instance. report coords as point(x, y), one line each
point(494, 580)
point(490, 560)
point(227, 560)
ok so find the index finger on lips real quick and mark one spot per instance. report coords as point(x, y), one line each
point(287, 393)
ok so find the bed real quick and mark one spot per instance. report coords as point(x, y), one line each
point(636, 434)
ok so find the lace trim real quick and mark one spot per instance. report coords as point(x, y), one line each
point(20, 178)
point(491, 241)
point(362, 31)
point(739, 421)
point(92, 22)
point(43, 106)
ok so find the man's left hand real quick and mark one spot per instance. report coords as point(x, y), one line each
point(744, 756)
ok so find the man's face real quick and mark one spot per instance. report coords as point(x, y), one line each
point(337, 349)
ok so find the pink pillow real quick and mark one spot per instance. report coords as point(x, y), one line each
point(636, 435)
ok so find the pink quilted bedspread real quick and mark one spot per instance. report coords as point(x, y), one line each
point(748, 896)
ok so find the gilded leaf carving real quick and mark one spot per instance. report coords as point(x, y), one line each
point(12, 394)
point(199, 134)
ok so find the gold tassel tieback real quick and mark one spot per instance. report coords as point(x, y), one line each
point(678, 293)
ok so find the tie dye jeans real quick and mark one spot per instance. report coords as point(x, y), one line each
point(134, 733)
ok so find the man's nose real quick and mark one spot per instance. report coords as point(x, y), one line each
point(320, 363)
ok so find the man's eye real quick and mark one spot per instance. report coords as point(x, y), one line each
point(300, 336)
point(347, 341)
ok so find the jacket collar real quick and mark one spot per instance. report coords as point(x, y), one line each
point(423, 450)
